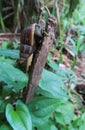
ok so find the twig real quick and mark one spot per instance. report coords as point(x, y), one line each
point(7, 16)
point(10, 34)
point(39, 60)
point(7, 8)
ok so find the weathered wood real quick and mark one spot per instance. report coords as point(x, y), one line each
point(39, 59)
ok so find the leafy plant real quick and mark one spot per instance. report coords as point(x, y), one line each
point(19, 119)
point(55, 105)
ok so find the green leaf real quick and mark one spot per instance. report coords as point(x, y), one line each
point(19, 119)
point(4, 45)
point(67, 75)
point(24, 114)
point(5, 127)
point(82, 127)
point(83, 117)
point(82, 47)
point(48, 126)
point(13, 118)
point(9, 53)
point(77, 122)
point(65, 113)
point(7, 60)
point(13, 77)
point(52, 64)
point(41, 108)
point(70, 127)
point(81, 29)
point(52, 86)
point(78, 14)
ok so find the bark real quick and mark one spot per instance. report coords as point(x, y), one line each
point(39, 59)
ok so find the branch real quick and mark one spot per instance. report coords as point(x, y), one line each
point(10, 34)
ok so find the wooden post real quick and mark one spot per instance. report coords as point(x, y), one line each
point(39, 59)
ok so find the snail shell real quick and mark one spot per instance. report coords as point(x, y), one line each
point(28, 40)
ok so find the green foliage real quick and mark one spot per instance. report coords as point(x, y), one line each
point(48, 126)
point(19, 119)
point(41, 109)
point(54, 104)
point(61, 115)
point(13, 77)
point(9, 53)
point(52, 86)
point(52, 64)
point(78, 14)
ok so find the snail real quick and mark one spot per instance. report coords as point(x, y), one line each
point(31, 37)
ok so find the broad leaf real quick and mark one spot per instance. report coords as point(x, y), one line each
point(70, 127)
point(67, 75)
point(65, 113)
point(7, 60)
point(52, 86)
point(9, 53)
point(19, 119)
point(52, 64)
point(41, 108)
point(48, 126)
point(13, 77)
point(77, 123)
point(82, 127)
